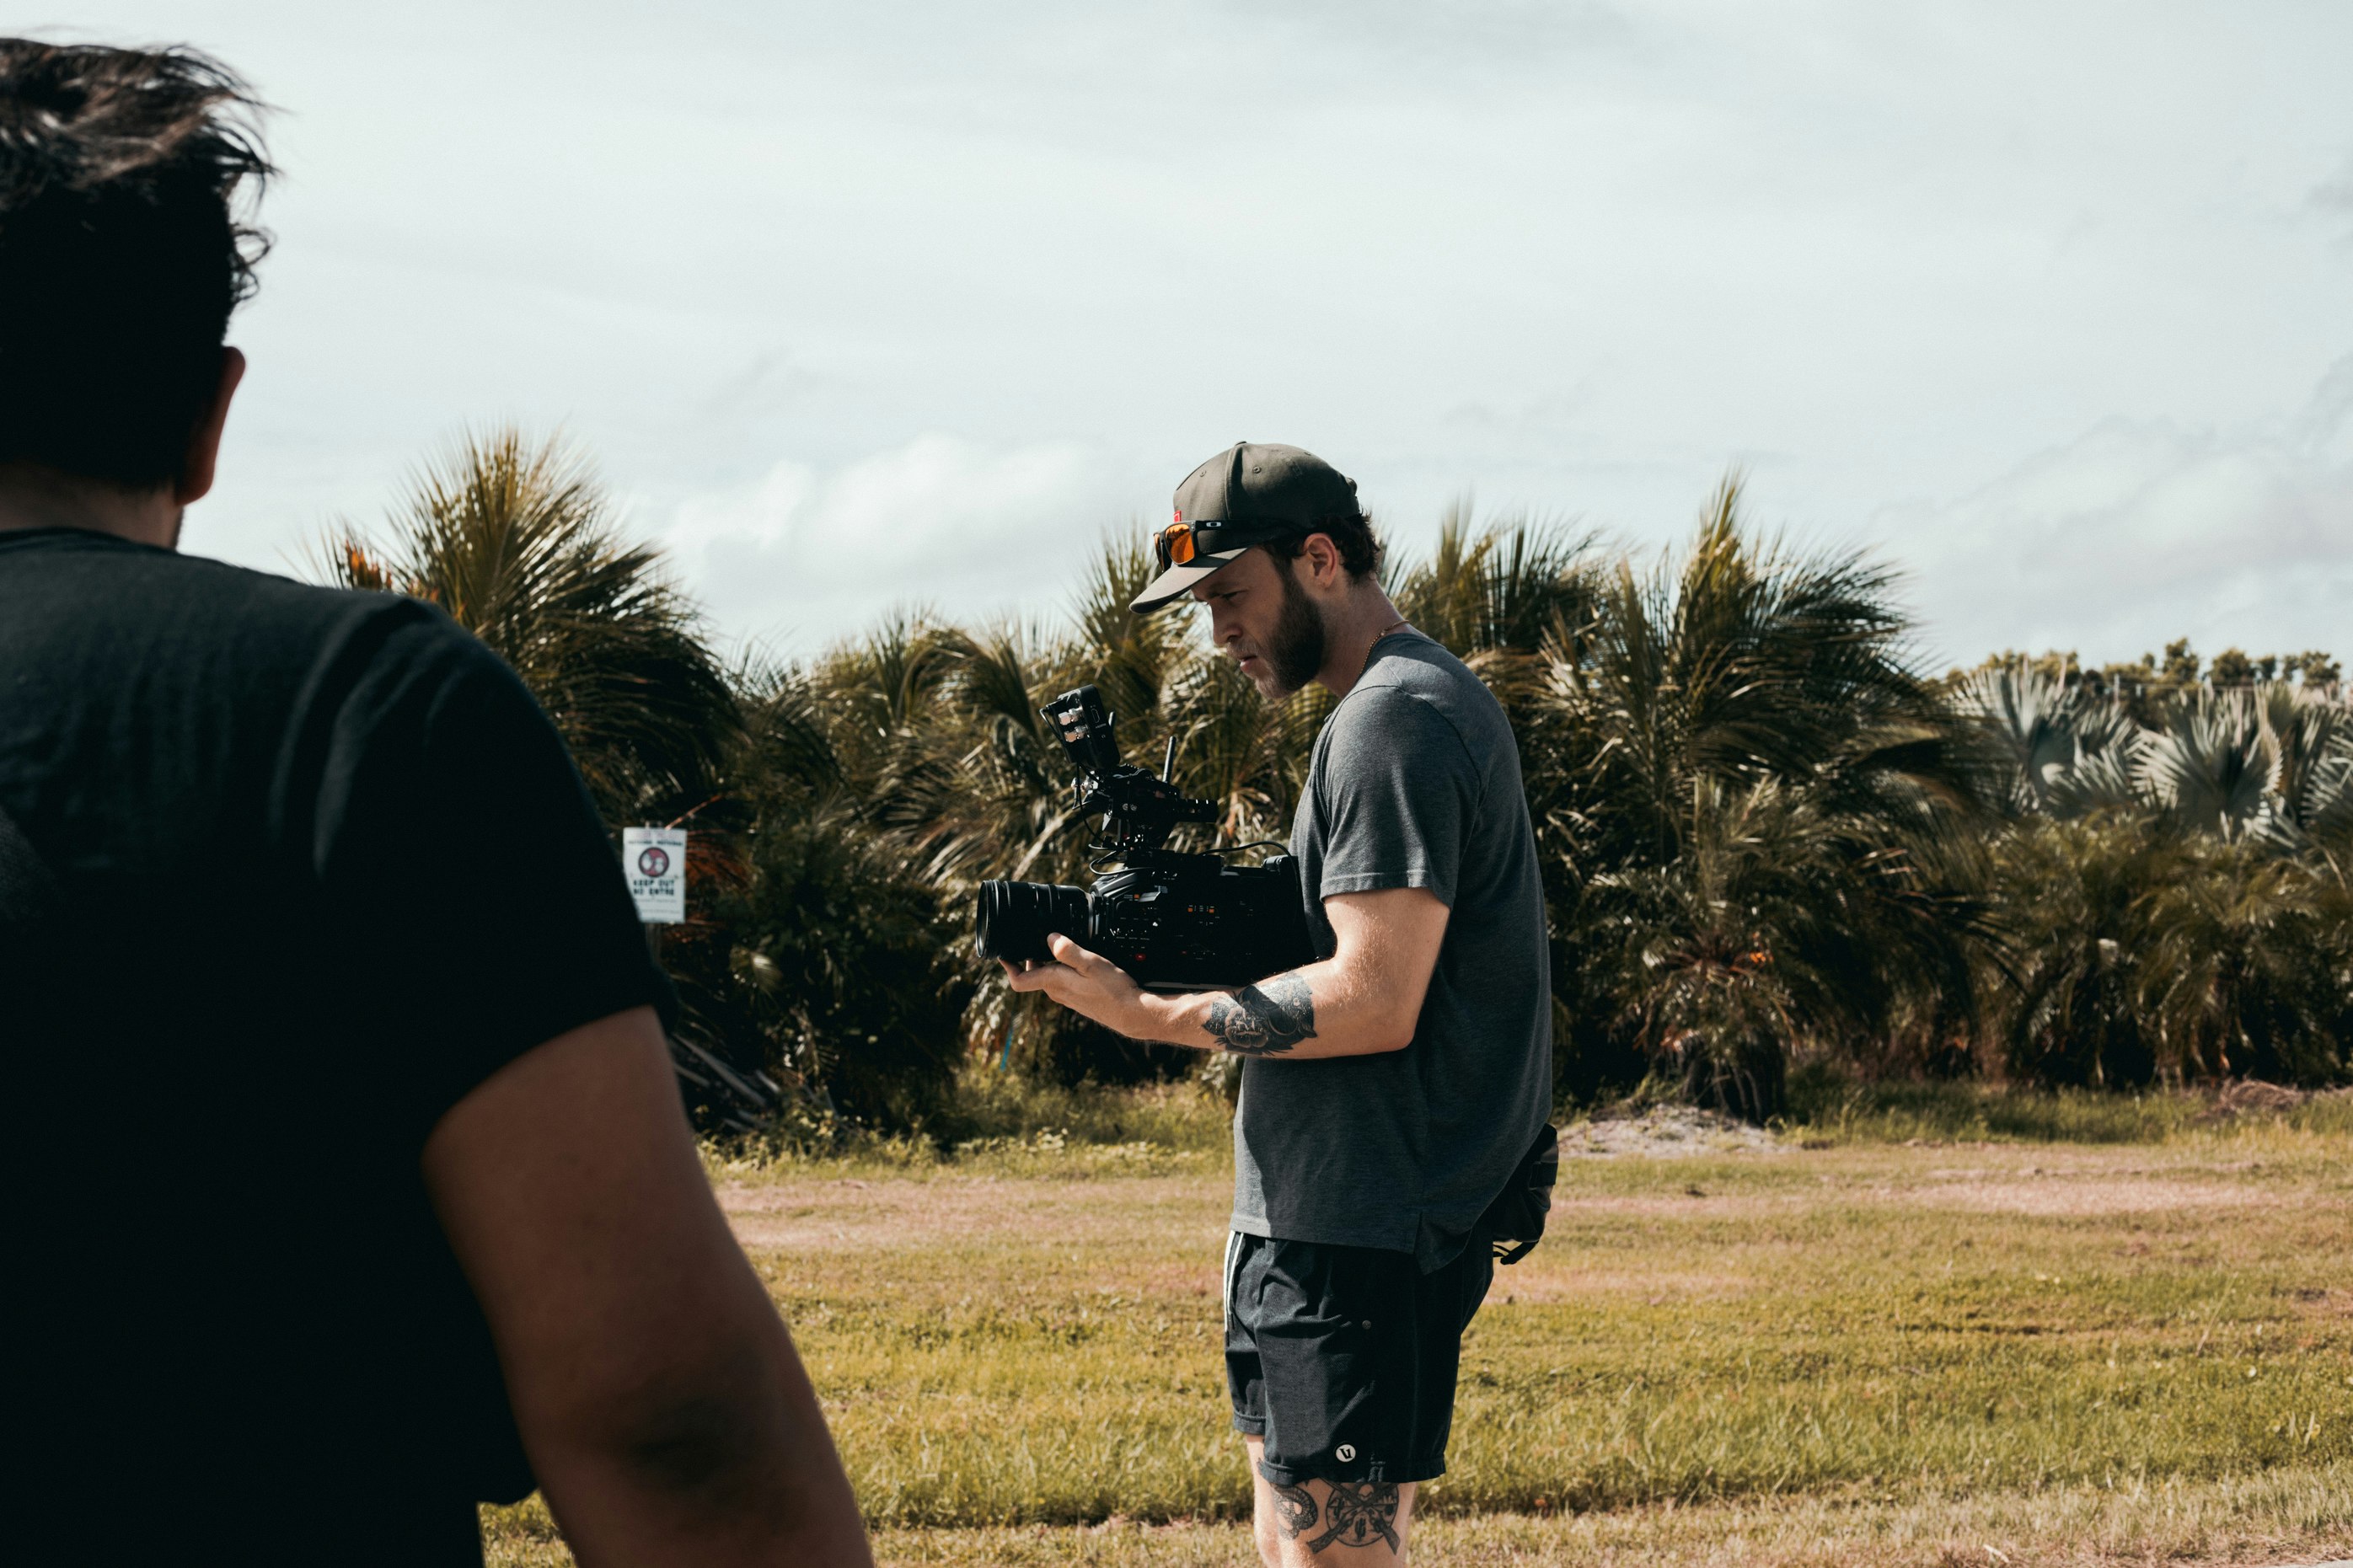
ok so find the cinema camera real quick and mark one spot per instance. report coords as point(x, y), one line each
point(1175, 921)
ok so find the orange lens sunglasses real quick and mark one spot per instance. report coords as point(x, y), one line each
point(1175, 545)
point(1180, 543)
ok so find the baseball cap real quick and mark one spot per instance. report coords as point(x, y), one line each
point(1248, 494)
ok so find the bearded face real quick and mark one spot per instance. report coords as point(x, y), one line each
point(1266, 620)
point(1295, 648)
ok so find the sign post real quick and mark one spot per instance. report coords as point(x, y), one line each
point(655, 859)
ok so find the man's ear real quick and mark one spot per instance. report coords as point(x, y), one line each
point(1324, 567)
point(203, 441)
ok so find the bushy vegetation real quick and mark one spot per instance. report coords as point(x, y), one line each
point(1770, 838)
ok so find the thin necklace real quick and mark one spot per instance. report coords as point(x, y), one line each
point(1377, 635)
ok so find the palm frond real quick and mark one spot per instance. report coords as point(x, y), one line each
point(521, 544)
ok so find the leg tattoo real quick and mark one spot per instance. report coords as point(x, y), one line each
point(1263, 1020)
point(1295, 1510)
point(1359, 1513)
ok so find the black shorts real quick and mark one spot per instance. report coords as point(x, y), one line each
point(1343, 1358)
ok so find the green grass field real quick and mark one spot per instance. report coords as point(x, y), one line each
point(1943, 1328)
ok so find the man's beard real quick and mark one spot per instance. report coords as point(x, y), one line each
point(1295, 651)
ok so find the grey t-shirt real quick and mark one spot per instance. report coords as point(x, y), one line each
point(1415, 783)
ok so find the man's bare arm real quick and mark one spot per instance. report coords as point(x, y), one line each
point(658, 1394)
point(1363, 1000)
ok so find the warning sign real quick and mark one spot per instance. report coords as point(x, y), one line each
point(655, 859)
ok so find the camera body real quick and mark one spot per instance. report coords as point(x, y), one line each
point(1174, 921)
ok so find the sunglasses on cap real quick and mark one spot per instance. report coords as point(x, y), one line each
point(1182, 543)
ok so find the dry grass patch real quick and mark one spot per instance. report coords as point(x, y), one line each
point(1019, 1349)
point(2292, 1517)
point(1862, 1353)
point(2289, 1516)
point(805, 1215)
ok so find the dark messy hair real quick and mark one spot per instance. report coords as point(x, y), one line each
point(1360, 552)
point(121, 251)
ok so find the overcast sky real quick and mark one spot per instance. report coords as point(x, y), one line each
point(868, 304)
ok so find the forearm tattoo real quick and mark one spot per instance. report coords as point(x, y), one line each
point(1294, 1510)
point(1263, 1020)
point(1359, 1513)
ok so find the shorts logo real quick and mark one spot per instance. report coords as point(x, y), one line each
point(1346, 1453)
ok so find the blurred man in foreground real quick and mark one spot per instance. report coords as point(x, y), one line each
point(346, 1177)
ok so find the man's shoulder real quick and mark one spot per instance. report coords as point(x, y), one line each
point(269, 601)
point(1416, 665)
point(161, 606)
point(89, 575)
point(1418, 688)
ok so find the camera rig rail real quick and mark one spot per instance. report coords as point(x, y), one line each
point(1139, 810)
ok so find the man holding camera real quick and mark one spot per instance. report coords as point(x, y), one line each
point(347, 1180)
point(1390, 1089)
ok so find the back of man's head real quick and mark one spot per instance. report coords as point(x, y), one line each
point(120, 252)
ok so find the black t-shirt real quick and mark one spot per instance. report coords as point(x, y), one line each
point(317, 864)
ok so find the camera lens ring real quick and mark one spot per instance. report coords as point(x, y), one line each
point(1012, 919)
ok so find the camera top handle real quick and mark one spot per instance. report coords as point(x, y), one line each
point(1139, 811)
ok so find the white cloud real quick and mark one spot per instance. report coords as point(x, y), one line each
point(2142, 531)
point(1873, 252)
point(803, 555)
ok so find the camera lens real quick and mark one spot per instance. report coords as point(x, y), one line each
point(1015, 918)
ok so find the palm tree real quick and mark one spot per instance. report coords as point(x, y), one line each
point(2313, 735)
point(2247, 970)
point(1509, 587)
point(1760, 817)
point(2211, 766)
point(2270, 763)
point(2063, 748)
point(2175, 877)
point(521, 546)
point(2076, 894)
point(838, 952)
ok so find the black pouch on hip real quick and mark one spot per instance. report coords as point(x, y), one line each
point(1515, 1222)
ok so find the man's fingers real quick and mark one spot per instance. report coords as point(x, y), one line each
point(1070, 959)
